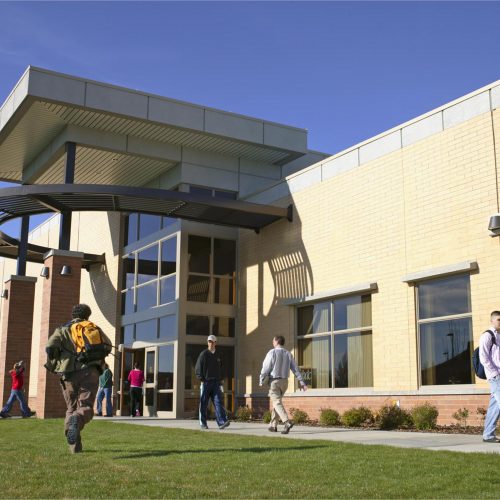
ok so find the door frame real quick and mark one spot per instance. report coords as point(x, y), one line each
point(152, 410)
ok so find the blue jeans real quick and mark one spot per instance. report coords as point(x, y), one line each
point(19, 395)
point(105, 392)
point(493, 413)
point(210, 390)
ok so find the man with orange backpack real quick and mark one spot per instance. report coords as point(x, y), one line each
point(76, 352)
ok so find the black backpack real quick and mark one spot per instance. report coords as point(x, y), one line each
point(476, 362)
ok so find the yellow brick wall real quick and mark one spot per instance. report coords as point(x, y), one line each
point(424, 206)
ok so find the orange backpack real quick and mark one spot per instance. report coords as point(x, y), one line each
point(89, 342)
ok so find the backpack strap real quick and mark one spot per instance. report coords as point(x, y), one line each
point(492, 336)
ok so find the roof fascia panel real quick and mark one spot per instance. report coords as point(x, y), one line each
point(86, 94)
point(56, 87)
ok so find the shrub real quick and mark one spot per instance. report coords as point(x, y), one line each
point(356, 417)
point(266, 417)
point(481, 410)
point(299, 416)
point(424, 416)
point(243, 414)
point(462, 414)
point(329, 417)
point(392, 417)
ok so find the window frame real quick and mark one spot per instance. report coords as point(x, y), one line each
point(212, 277)
point(437, 319)
point(158, 279)
point(332, 333)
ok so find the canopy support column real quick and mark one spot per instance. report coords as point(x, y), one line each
point(69, 177)
point(22, 254)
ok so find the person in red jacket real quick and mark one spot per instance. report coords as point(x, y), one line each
point(17, 374)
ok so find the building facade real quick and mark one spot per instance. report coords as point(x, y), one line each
point(381, 285)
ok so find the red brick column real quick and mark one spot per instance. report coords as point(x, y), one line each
point(17, 328)
point(60, 294)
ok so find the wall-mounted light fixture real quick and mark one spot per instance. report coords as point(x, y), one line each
point(5, 294)
point(44, 273)
point(66, 270)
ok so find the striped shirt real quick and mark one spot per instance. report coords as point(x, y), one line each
point(277, 364)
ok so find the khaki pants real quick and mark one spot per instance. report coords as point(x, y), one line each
point(276, 390)
point(79, 390)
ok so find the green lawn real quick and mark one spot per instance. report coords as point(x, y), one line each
point(128, 461)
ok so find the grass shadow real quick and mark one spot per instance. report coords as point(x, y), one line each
point(163, 453)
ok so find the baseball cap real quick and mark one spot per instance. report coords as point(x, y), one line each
point(213, 338)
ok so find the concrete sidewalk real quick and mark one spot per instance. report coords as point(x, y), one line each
point(425, 440)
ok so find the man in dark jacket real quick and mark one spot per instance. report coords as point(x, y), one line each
point(105, 391)
point(79, 375)
point(209, 371)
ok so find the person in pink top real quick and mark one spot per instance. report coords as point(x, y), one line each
point(136, 379)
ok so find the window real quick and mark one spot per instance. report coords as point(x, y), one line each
point(205, 325)
point(335, 342)
point(149, 276)
point(212, 270)
point(138, 226)
point(445, 330)
point(192, 384)
point(153, 330)
point(214, 193)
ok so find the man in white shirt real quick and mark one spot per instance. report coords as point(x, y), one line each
point(276, 367)
point(489, 354)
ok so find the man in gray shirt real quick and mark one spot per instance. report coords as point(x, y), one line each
point(276, 368)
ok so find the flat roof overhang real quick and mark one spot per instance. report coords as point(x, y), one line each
point(123, 136)
point(63, 198)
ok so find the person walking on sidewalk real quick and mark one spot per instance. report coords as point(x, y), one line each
point(17, 374)
point(209, 370)
point(105, 391)
point(79, 370)
point(276, 368)
point(489, 355)
point(136, 380)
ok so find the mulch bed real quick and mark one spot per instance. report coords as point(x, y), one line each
point(439, 429)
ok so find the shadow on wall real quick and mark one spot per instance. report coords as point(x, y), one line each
point(276, 269)
point(104, 290)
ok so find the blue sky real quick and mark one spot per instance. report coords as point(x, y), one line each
point(345, 71)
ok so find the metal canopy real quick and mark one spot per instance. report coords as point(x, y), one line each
point(9, 247)
point(39, 199)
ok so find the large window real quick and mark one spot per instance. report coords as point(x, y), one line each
point(138, 226)
point(153, 330)
point(149, 276)
point(445, 330)
point(206, 325)
point(192, 384)
point(212, 270)
point(335, 342)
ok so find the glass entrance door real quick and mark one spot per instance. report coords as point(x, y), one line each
point(150, 382)
point(128, 358)
point(160, 369)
